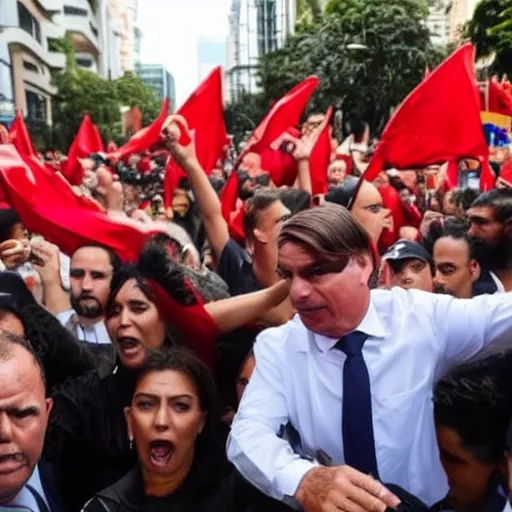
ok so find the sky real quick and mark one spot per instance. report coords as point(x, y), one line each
point(171, 30)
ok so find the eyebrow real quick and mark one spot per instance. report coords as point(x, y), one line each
point(157, 397)
point(30, 410)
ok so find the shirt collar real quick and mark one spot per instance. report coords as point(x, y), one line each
point(370, 325)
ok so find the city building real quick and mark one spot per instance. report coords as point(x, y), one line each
point(256, 27)
point(159, 80)
point(124, 13)
point(137, 42)
point(460, 11)
point(438, 22)
point(26, 60)
point(211, 53)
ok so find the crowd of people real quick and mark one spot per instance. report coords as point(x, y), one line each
point(347, 350)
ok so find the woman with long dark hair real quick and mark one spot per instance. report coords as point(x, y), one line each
point(151, 305)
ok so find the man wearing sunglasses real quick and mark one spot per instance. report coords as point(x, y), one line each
point(353, 373)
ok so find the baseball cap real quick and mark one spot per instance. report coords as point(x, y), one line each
point(405, 249)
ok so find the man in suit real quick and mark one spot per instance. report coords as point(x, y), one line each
point(24, 412)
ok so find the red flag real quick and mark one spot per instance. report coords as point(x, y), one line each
point(500, 100)
point(204, 113)
point(144, 138)
point(321, 157)
point(437, 123)
point(87, 141)
point(229, 195)
point(62, 221)
point(285, 113)
point(19, 136)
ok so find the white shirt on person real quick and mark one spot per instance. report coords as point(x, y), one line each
point(414, 338)
point(96, 333)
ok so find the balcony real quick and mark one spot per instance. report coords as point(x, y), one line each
point(52, 6)
point(17, 36)
point(80, 19)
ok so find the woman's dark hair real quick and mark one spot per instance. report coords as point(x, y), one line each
point(295, 200)
point(209, 454)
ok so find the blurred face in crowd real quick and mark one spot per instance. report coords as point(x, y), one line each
point(131, 193)
point(331, 296)
point(449, 207)
point(268, 225)
point(90, 275)
point(245, 375)
point(11, 323)
point(468, 477)
point(337, 172)
point(405, 196)
point(134, 325)
point(217, 174)
point(411, 274)
point(164, 420)
point(369, 211)
point(24, 412)
point(455, 270)
point(180, 204)
point(312, 123)
point(492, 238)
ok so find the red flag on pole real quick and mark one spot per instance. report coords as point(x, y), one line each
point(321, 157)
point(204, 113)
point(19, 136)
point(438, 122)
point(144, 138)
point(87, 141)
point(500, 99)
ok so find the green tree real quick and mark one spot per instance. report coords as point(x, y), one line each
point(132, 92)
point(490, 30)
point(367, 80)
point(80, 91)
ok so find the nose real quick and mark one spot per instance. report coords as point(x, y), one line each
point(5, 428)
point(87, 282)
point(125, 317)
point(473, 230)
point(162, 418)
point(300, 290)
point(406, 277)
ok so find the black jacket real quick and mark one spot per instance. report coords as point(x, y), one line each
point(230, 493)
point(87, 440)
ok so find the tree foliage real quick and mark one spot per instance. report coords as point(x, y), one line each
point(80, 91)
point(490, 30)
point(366, 82)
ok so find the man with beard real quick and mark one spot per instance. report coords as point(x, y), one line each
point(91, 270)
point(490, 218)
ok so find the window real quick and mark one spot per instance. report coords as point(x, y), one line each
point(28, 23)
point(30, 67)
point(76, 11)
point(36, 106)
point(93, 29)
point(84, 62)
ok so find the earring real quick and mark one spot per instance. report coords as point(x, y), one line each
point(131, 443)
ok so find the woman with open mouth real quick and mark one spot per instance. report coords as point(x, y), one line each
point(172, 423)
point(151, 305)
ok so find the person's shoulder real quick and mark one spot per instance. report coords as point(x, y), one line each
point(281, 338)
point(407, 300)
point(64, 316)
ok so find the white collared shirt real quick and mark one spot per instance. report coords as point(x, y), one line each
point(414, 339)
point(96, 333)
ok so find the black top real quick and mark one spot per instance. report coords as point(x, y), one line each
point(230, 493)
point(235, 267)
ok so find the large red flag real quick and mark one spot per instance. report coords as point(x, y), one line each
point(438, 122)
point(144, 138)
point(87, 141)
point(19, 136)
point(204, 113)
point(285, 113)
point(57, 216)
point(321, 157)
point(500, 99)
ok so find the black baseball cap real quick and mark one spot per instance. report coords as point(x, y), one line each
point(405, 249)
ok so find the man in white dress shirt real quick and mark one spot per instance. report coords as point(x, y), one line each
point(24, 412)
point(407, 340)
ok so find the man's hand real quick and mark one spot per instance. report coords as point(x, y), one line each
point(301, 148)
point(48, 254)
point(178, 141)
point(343, 488)
point(14, 253)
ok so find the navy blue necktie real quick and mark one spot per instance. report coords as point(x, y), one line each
point(358, 440)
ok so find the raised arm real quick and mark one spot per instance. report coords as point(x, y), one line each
point(205, 196)
point(230, 314)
